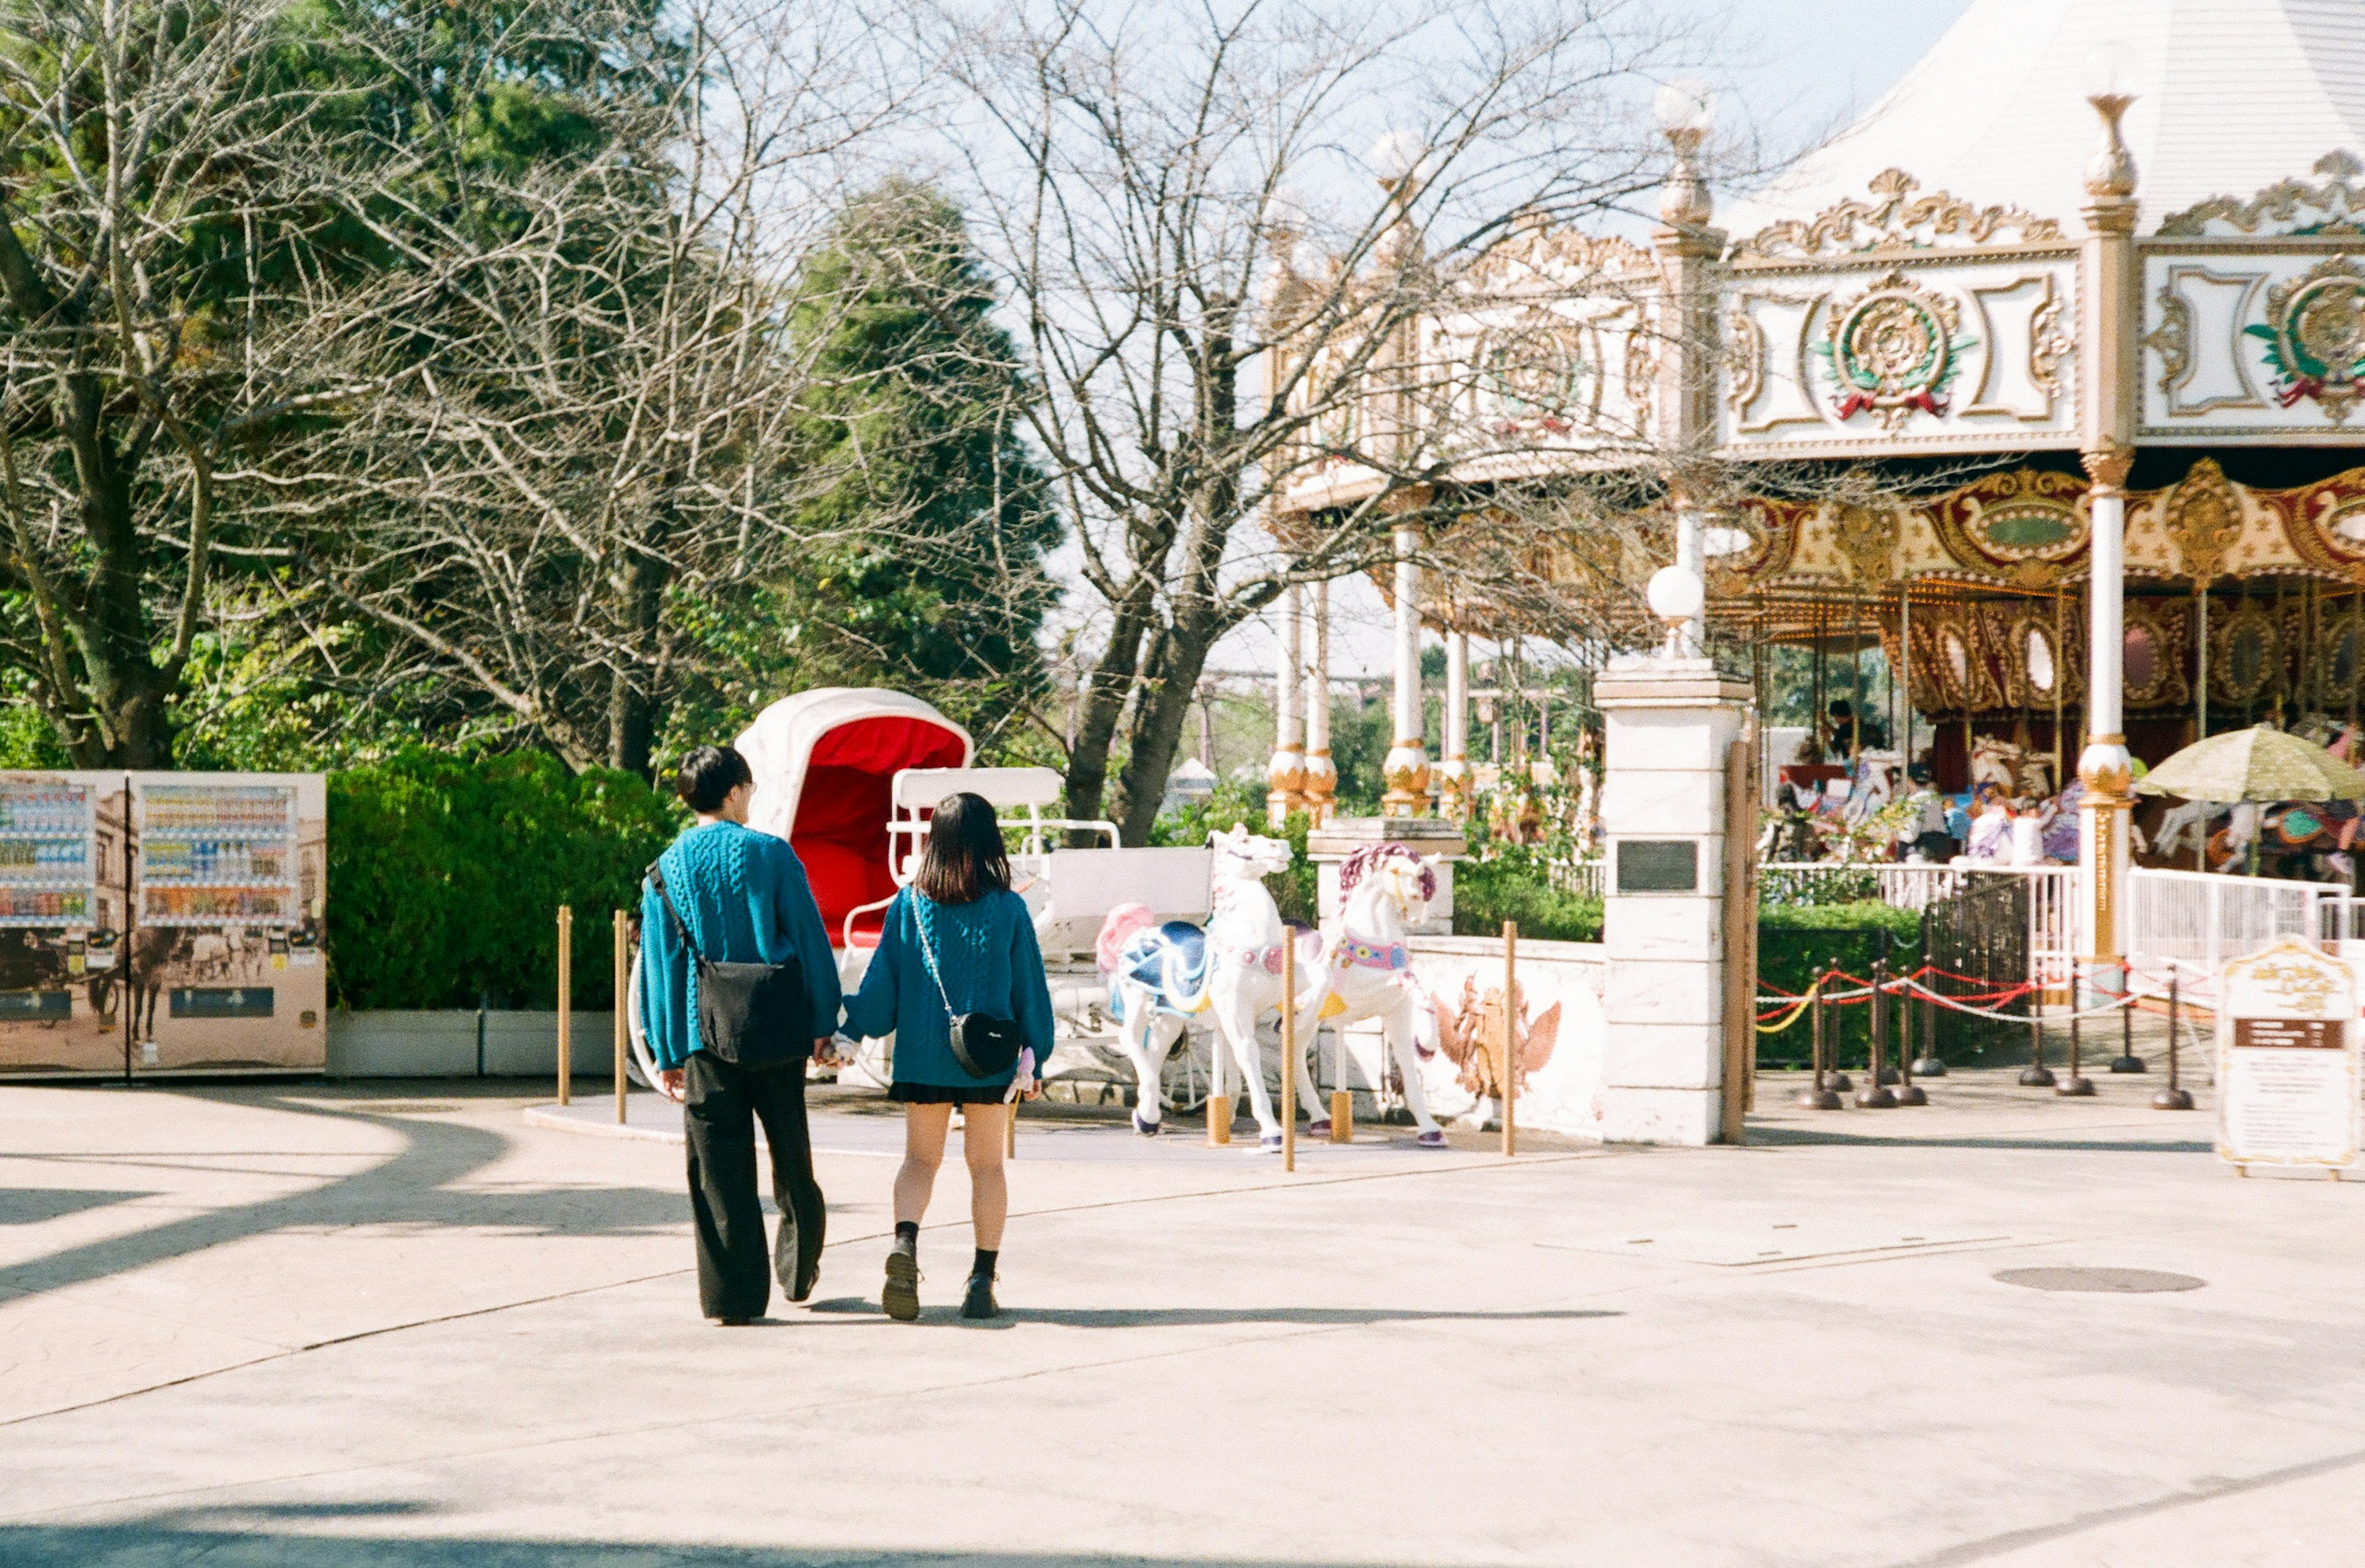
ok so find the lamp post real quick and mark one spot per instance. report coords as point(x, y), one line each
point(1686, 109)
point(1320, 784)
point(2107, 355)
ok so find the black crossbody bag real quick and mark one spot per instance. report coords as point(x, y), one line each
point(754, 1014)
point(986, 1047)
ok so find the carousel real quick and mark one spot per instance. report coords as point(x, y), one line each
point(2046, 377)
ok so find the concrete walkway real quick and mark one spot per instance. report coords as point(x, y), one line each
point(295, 1326)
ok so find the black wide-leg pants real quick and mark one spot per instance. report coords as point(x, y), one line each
point(725, 1101)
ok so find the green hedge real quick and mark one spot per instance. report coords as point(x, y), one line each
point(445, 875)
point(1795, 940)
point(1515, 886)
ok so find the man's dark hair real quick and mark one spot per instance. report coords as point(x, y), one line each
point(1842, 709)
point(963, 856)
point(707, 774)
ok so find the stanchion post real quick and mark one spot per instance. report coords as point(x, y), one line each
point(2174, 1097)
point(2126, 1060)
point(1219, 1100)
point(623, 1030)
point(2076, 1085)
point(1908, 1091)
point(1876, 1096)
point(1288, 1053)
point(1510, 1038)
point(1819, 1096)
point(1929, 1064)
point(2036, 1075)
point(1342, 1099)
point(565, 1003)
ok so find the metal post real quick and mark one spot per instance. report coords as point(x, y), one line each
point(1876, 1095)
point(2173, 1097)
point(1288, 1052)
point(2126, 1060)
point(1819, 1096)
point(2077, 1084)
point(1510, 1084)
point(1342, 1099)
point(1929, 1064)
point(2036, 1075)
point(565, 1003)
point(623, 1030)
point(1908, 1091)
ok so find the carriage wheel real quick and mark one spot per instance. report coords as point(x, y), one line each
point(639, 1066)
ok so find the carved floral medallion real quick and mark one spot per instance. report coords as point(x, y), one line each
point(1895, 350)
point(2315, 337)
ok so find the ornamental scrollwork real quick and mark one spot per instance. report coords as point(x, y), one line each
point(1894, 350)
point(2172, 340)
point(1897, 219)
point(2313, 337)
point(2338, 205)
point(2202, 517)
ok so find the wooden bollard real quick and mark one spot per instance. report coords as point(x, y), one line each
point(1288, 1053)
point(623, 1030)
point(1342, 1099)
point(1220, 1103)
point(1510, 1082)
point(565, 1003)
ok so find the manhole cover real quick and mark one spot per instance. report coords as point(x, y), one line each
point(2117, 1282)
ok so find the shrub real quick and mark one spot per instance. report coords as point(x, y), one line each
point(445, 875)
point(1795, 940)
point(1232, 805)
point(1516, 885)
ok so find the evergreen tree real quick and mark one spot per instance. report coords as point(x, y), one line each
point(931, 514)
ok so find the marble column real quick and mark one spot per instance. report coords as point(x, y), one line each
point(2108, 367)
point(1405, 771)
point(1321, 779)
point(1286, 774)
point(1453, 767)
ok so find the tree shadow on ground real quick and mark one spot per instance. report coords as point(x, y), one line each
point(1795, 1136)
point(249, 1538)
point(418, 1185)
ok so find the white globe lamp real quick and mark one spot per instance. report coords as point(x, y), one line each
point(1675, 594)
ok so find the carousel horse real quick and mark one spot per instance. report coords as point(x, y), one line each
point(1162, 975)
point(2190, 819)
point(1384, 890)
point(2015, 770)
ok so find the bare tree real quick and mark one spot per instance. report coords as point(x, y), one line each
point(584, 446)
point(163, 311)
point(1148, 176)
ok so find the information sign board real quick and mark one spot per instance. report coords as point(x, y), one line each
point(2288, 1054)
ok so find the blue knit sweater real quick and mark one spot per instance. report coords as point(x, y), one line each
point(745, 898)
point(986, 953)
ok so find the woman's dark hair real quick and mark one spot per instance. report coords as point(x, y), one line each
point(707, 774)
point(963, 858)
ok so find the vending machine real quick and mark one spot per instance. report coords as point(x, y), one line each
point(161, 923)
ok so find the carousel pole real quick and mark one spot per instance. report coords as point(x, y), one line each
point(1319, 788)
point(1453, 772)
point(2110, 332)
point(2060, 669)
point(1406, 770)
point(1286, 772)
point(1905, 672)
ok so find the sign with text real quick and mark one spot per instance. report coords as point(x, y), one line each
point(2288, 1059)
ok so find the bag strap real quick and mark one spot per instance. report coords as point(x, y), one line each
point(656, 878)
point(928, 957)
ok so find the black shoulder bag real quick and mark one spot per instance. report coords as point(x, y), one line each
point(986, 1047)
point(754, 1015)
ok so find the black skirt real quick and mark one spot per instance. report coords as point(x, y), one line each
point(948, 1094)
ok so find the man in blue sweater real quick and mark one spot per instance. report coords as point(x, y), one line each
point(741, 898)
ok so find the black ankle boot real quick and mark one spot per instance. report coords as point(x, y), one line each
point(979, 1302)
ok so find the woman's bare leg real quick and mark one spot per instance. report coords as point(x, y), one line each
point(923, 1151)
point(988, 1192)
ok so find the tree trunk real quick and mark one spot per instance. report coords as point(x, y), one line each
point(1102, 707)
point(1155, 734)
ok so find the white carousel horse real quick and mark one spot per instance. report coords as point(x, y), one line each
point(2013, 769)
point(2192, 818)
point(1162, 975)
point(1367, 971)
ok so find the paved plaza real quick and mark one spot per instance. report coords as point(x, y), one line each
point(299, 1325)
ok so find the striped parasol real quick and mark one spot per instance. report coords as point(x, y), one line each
point(2262, 764)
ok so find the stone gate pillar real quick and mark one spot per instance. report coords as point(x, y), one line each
point(1669, 724)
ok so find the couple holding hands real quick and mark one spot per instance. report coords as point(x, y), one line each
point(739, 989)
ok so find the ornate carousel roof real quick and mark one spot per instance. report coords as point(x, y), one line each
point(2231, 97)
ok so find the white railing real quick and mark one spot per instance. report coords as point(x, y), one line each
point(1582, 878)
point(2199, 919)
point(2052, 896)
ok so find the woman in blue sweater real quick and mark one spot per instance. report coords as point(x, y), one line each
point(957, 941)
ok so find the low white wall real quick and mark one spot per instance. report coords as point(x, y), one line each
point(1560, 991)
point(443, 1044)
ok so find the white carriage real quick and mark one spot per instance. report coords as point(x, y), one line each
point(849, 777)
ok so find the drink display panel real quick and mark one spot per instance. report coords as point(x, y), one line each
point(162, 922)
